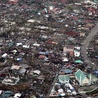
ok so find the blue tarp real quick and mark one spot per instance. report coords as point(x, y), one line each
point(96, 72)
point(68, 71)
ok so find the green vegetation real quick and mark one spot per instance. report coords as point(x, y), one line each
point(92, 92)
point(88, 89)
point(70, 7)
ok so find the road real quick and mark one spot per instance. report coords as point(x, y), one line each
point(86, 43)
point(83, 51)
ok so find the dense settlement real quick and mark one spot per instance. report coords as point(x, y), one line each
point(40, 48)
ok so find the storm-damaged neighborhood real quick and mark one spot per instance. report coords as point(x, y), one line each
point(48, 48)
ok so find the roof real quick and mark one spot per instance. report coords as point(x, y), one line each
point(68, 48)
point(37, 71)
point(68, 71)
point(63, 78)
point(96, 71)
point(78, 61)
point(15, 67)
point(17, 95)
point(93, 78)
point(80, 75)
point(1, 92)
point(72, 33)
point(6, 94)
point(13, 1)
